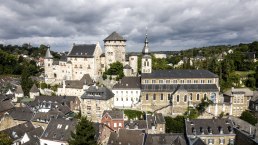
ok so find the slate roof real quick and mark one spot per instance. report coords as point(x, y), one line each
point(198, 141)
point(114, 37)
point(135, 124)
point(34, 89)
point(6, 106)
point(255, 97)
point(202, 126)
point(6, 97)
point(127, 66)
point(55, 62)
point(47, 116)
point(245, 91)
point(18, 131)
point(98, 93)
point(19, 90)
point(172, 87)
point(48, 54)
point(78, 84)
point(34, 136)
point(180, 74)
point(59, 129)
point(155, 119)
point(21, 113)
point(243, 139)
point(127, 137)
point(128, 83)
point(166, 139)
point(114, 114)
point(82, 50)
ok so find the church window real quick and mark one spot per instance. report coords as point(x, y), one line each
point(154, 96)
point(161, 96)
point(189, 81)
point(205, 96)
point(197, 97)
point(147, 63)
point(185, 98)
point(89, 67)
point(147, 96)
point(177, 98)
point(132, 58)
point(195, 81)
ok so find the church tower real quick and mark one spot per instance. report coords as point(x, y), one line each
point(146, 58)
point(48, 62)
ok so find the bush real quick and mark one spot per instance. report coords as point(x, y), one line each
point(175, 125)
point(248, 117)
point(134, 114)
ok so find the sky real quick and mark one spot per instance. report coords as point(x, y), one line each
point(171, 24)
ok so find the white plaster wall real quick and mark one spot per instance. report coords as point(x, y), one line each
point(126, 93)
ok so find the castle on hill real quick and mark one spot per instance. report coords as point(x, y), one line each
point(89, 59)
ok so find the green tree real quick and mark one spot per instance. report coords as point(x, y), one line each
point(248, 117)
point(5, 139)
point(84, 133)
point(174, 125)
point(26, 81)
point(250, 82)
point(116, 69)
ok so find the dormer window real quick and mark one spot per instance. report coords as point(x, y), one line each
point(59, 126)
point(201, 130)
point(209, 130)
point(220, 130)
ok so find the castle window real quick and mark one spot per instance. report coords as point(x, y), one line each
point(161, 96)
point(175, 81)
point(89, 67)
point(188, 81)
point(147, 97)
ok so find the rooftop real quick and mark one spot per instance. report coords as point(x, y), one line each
point(114, 37)
point(128, 83)
point(82, 50)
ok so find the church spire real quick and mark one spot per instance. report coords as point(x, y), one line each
point(145, 49)
point(48, 53)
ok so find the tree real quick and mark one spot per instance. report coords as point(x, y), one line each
point(84, 133)
point(5, 139)
point(116, 69)
point(26, 81)
point(174, 125)
point(248, 117)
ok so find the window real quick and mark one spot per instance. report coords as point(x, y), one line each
point(161, 81)
point(154, 96)
point(116, 99)
point(126, 98)
point(168, 96)
point(88, 107)
point(59, 126)
point(175, 81)
point(182, 81)
point(205, 97)
point(185, 98)
point(189, 81)
point(221, 141)
point(209, 81)
point(177, 98)
point(115, 125)
point(120, 124)
point(195, 81)
point(210, 141)
point(153, 81)
point(147, 97)
point(161, 96)
point(197, 97)
point(202, 81)
point(167, 81)
point(191, 97)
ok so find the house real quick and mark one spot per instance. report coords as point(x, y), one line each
point(127, 92)
point(95, 100)
point(34, 91)
point(32, 137)
point(5, 105)
point(58, 132)
point(166, 139)
point(127, 137)
point(239, 99)
point(21, 114)
point(17, 133)
point(160, 55)
point(75, 87)
point(211, 131)
point(113, 119)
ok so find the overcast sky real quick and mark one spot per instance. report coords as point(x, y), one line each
point(172, 24)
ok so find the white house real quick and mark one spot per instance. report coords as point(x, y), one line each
point(127, 92)
point(34, 91)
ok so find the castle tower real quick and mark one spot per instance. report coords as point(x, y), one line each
point(114, 49)
point(48, 62)
point(146, 58)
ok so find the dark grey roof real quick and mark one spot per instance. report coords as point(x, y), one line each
point(245, 91)
point(180, 74)
point(114, 37)
point(83, 50)
point(19, 90)
point(135, 124)
point(198, 141)
point(34, 136)
point(47, 116)
point(155, 119)
point(6, 97)
point(127, 66)
point(63, 58)
point(204, 125)
point(18, 131)
point(243, 138)
point(59, 129)
point(128, 83)
point(98, 93)
point(34, 89)
point(55, 62)
point(78, 84)
point(166, 139)
point(21, 113)
point(6, 105)
point(126, 137)
point(172, 87)
point(114, 114)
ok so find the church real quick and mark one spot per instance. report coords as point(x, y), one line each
point(89, 59)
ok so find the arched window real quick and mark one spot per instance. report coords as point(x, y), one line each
point(55, 75)
point(191, 96)
point(185, 98)
point(147, 97)
point(154, 96)
point(177, 98)
point(205, 97)
point(197, 97)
